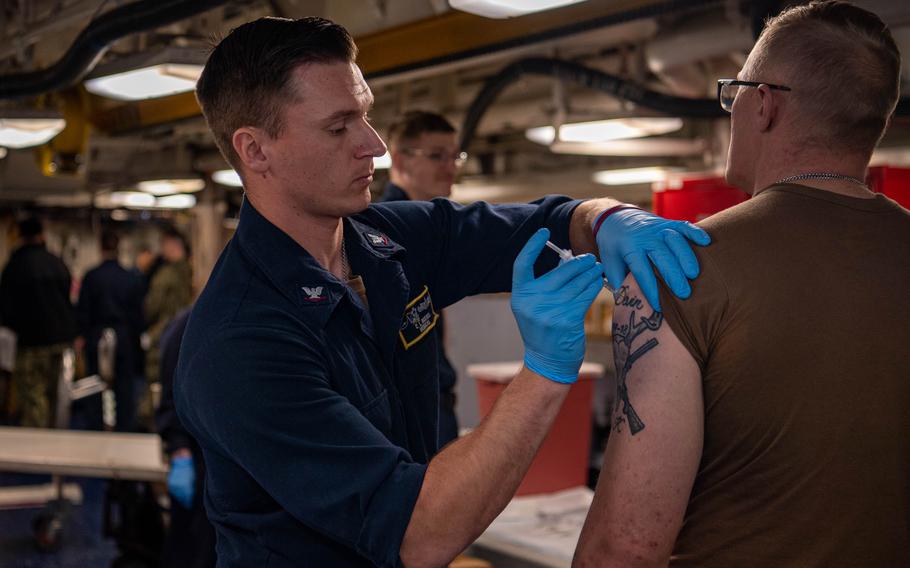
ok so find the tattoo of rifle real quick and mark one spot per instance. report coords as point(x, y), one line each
point(623, 337)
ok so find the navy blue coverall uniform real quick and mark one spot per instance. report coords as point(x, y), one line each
point(317, 416)
point(448, 422)
point(111, 297)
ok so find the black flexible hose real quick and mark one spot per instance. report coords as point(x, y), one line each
point(94, 40)
point(591, 78)
point(598, 80)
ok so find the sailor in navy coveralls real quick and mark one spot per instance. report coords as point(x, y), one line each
point(308, 369)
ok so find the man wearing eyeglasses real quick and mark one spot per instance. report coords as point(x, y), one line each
point(425, 159)
point(763, 421)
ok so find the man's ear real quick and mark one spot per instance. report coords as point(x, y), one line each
point(768, 109)
point(249, 144)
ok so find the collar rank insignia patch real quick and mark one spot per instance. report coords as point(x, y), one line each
point(419, 319)
point(313, 294)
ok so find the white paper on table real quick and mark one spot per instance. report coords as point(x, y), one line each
point(549, 524)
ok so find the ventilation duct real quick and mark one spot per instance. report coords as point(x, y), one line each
point(94, 40)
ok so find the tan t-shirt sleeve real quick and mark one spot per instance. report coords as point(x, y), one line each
point(698, 321)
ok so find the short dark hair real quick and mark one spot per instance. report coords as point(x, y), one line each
point(110, 241)
point(246, 79)
point(410, 125)
point(30, 227)
point(844, 67)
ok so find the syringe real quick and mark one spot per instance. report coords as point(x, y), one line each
point(567, 255)
point(563, 254)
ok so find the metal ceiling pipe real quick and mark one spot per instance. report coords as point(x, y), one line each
point(645, 9)
point(680, 48)
point(674, 57)
point(56, 22)
point(95, 39)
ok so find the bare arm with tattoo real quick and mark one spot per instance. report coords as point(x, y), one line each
point(655, 442)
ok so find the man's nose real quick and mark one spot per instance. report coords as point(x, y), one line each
point(372, 144)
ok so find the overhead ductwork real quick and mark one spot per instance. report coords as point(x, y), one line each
point(95, 39)
point(618, 87)
point(676, 57)
point(592, 78)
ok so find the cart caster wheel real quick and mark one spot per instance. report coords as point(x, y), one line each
point(48, 531)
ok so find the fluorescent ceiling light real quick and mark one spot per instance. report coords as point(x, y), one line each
point(21, 128)
point(170, 186)
point(181, 201)
point(632, 175)
point(140, 200)
point(658, 146)
point(134, 199)
point(507, 8)
point(227, 177)
point(154, 73)
point(605, 130)
point(383, 162)
point(149, 83)
point(22, 133)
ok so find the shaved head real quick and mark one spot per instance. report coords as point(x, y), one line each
point(843, 67)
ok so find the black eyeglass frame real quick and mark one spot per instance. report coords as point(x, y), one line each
point(721, 83)
point(458, 158)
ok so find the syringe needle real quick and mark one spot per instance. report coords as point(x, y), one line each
point(567, 255)
point(563, 254)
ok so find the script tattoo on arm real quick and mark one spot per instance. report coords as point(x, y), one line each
point(624, 335)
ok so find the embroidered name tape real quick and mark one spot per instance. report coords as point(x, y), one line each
point(419, 319)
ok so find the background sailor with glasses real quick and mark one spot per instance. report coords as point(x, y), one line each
point(425, 160)
point(425, 157)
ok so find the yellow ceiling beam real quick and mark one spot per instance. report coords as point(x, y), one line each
point(64, 154)
point(123, 117)
point(448, 34)
point(456, 32)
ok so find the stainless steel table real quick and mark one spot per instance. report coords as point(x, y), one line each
point(82, 454)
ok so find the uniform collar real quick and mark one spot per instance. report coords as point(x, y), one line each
point(294, 271)
point(287, 265)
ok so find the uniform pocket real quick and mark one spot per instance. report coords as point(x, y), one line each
point(379, 412)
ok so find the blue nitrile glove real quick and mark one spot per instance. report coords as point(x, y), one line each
point(550, 310)
point(181, 480)
point(629, 237)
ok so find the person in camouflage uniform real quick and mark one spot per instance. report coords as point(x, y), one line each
point(170, 291)
point(35, 304)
